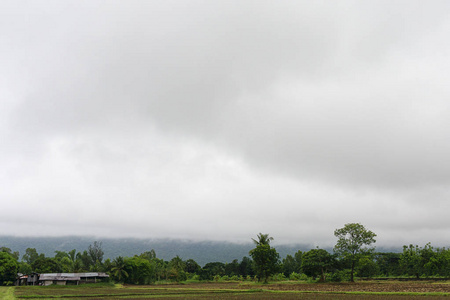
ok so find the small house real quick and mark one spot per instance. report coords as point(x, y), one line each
point(61, 278)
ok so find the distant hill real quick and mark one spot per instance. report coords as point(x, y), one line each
point(202, 252)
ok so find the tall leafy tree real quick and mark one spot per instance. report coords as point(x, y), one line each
point(14, 254)
point(192, 266)
point(8, 268)
point(417, 261)
point(367, 267)
point(160, 267)
point(317, 262)
point(85, 261)
point(292, 263)
point(148, 255)
point(266, 259)
point(96, 253)
point(388, 263)
point(177, 269)
point(245, 267)
point(46, 265)
point(30, 255)
point(232, 268)
point(212, 269)
point(140, 271)
point(353, 243)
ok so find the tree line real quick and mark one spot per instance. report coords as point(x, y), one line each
point(353, 256)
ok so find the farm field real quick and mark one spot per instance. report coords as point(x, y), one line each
point(6, 292)
point(235, 290)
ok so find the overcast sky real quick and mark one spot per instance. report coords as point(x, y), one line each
point(217, 120)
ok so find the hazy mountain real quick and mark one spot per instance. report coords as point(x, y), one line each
point(202, 252)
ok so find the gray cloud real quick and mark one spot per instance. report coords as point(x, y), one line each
point(218, 120)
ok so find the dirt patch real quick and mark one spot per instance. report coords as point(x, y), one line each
point(398, 287)
point(375, 286)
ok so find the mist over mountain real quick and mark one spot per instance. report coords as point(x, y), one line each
point(202, 252)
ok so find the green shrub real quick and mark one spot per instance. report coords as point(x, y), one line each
point(338, 276)
point(195, 277)
point(279, 277)
point(296, 277)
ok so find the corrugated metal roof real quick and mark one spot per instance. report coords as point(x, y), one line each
point(59, 278)
point(68, 275)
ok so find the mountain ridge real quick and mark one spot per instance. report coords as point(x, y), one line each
point(201, 251)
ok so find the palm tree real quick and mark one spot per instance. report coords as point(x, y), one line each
point(118, 270)
point(263, 239)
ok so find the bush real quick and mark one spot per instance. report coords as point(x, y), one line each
point(297, 276)
point(195, 277)
point(367, 268)
point(279, 277)
point(339, 276)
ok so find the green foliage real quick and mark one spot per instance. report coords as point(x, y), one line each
point(294, 276)
point(160, 266)
point(30, 255)
point(232, 268)
point(46, 265)
point(212, 269)
point(118, 270)
point(139, 270)
point(355, 258)
point(388, 263)
point(24, 268)
point(14, 254)
point(194, 278)
point(367, 267)
point(8, 268)
point(148, 255)
point(192, 266)
point(225, 278)
point(341, 275)
point(291, 264)
point(84, 260)
point(352, 243)
point(245, 267)
point(95, 256)
point(317, 262)
point(279, 277)
point(263, 239)
point(266, 259)
point(426, 261)
point(177, 269)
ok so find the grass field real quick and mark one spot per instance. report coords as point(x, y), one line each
point(236, 290)
point(6, 293)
